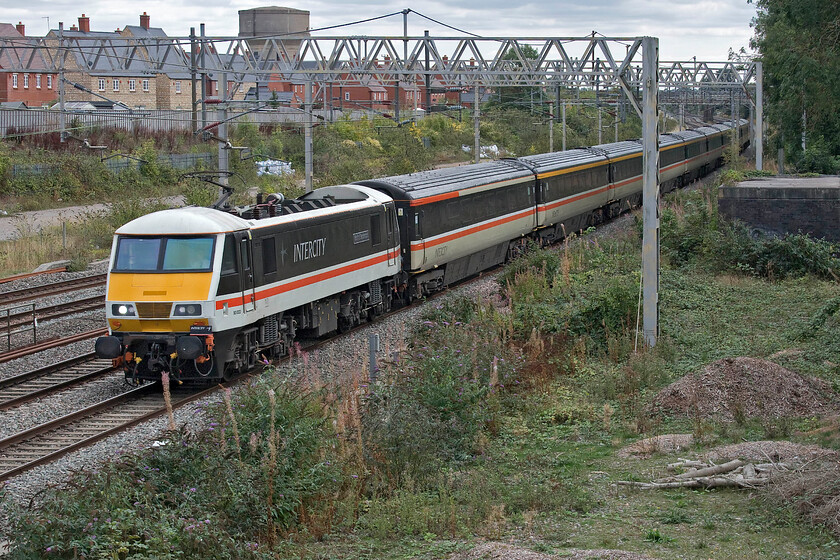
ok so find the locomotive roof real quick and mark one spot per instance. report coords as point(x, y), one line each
point(544, 163)
point(194, 220)
point(425, 184)
point(183, 221)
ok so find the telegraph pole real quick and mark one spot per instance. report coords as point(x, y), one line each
point(307, 134)
point(759, 115)
point(61, 117)
point(550, 126)
point(193, 79)
point(477, 131)
point(223, 129)
point(428, 76)
point(564, 126)
point(203, 80)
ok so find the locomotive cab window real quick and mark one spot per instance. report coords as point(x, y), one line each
point(229, 256)
point(164, 254)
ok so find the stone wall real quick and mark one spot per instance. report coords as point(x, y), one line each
point(779, 205)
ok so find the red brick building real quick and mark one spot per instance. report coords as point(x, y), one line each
point(36, 87)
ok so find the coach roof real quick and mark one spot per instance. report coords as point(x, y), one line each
point(545, 163)
point(425, 184)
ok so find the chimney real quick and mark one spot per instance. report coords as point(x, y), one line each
point(74, 28)
point(144, 20)
point(21, 28)
point(84, 24)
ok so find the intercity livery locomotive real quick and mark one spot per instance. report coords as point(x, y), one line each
point(205, 293)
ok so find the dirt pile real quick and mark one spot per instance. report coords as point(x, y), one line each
point(736, 388)
point(666, 443)
point(770, 451)
point(503, 551)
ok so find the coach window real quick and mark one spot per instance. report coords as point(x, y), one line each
point(269, 256)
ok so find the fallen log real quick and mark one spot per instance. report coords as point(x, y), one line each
point(702, 482)
point(711, 471)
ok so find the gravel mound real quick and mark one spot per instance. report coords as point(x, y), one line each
point(744, 388)
point(770, 451)
point(503, 551)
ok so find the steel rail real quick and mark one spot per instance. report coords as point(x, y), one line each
point(31, 274)
point(88, 423)
point(31, 385)
point(53, 312)
point(48, 344)
point(28, 294)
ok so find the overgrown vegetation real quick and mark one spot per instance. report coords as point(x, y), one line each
point(500, 421)
point(798, 43)
point(693, 236)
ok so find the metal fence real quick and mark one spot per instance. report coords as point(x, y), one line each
point(16, 122)
point(118, 164)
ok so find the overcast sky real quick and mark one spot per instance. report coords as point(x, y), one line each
point(706, 29)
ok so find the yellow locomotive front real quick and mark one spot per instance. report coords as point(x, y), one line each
point(160, 302)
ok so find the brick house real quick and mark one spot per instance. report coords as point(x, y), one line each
point(167, 62)
point(103, 66)
point(37, 86)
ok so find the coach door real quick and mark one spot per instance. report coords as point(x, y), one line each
point(246, 271)
point(391, 234)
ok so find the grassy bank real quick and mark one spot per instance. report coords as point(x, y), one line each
point(501, 422)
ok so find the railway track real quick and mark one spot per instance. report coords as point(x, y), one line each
point(47, 442)
point(31, 274)
point(47, 344)
point(29, 294)
point(28, 386)
point(22, 317)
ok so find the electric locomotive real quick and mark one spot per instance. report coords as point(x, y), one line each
point(203, 294)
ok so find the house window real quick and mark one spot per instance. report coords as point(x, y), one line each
point(145, 85)
point(132, 85)
point(177, 87)
point(49, 82)
point(346, 96)
point(116, 85)
point(38, 81)
point(25, 81)
point(101, 84)
point(14, 81)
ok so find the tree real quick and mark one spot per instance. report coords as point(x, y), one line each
point(799, 43)
point(518, 96)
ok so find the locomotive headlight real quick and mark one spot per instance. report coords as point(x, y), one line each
point(123, 310)
point(188, 310)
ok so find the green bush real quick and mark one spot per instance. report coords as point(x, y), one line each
point(199, 495)
point(693, 236)
point(440, 400)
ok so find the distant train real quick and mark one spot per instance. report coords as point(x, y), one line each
point(204, 294)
